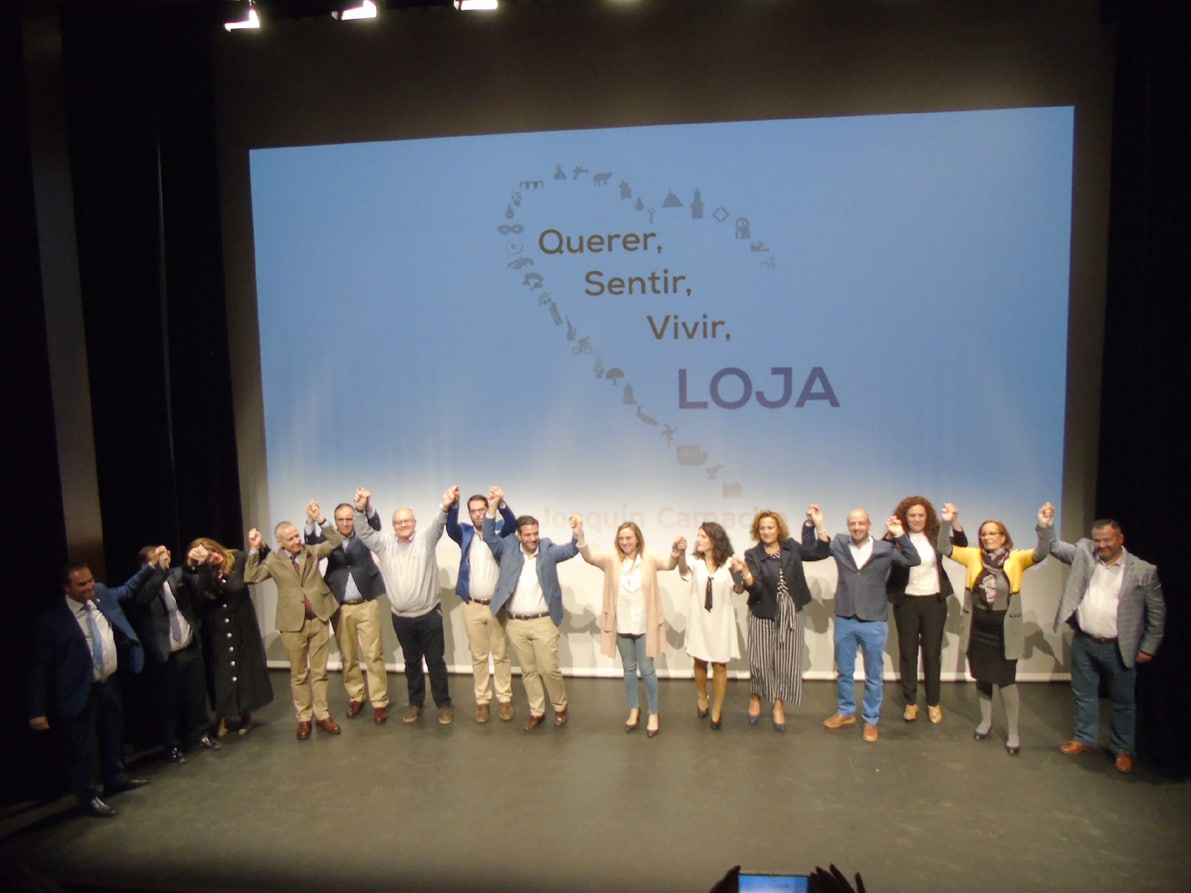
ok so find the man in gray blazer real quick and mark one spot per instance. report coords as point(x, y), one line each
point(1113, 601)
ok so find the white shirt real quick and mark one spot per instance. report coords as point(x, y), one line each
point(862, 553)
point(630, 603)
point(924, 578)
point(1097, 613)
point(485, 572)
point(180, 631)
point(528, 597)
point(107, 638)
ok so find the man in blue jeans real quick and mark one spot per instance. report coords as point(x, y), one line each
point(1113, 601)
point(861, 609)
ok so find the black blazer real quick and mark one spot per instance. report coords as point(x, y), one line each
point(763, 592)
point(146, 610)
point(356, 560)
point(895, 586)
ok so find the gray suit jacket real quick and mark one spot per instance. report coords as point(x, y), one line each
point(1141, 612)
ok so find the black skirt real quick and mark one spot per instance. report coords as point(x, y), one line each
point(986, 649)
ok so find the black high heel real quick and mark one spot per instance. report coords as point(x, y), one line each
point(702, 711)
point(716, 723)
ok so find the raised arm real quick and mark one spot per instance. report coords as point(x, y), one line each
point(816, 542)
point(1046, 532)
point(904, 553)
point(368, 532)
point(254, 570)
point(948, 516)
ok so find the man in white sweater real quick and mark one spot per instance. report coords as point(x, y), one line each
point(407, 561)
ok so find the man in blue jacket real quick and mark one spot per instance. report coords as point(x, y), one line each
point(79, 643)
point(529, 592)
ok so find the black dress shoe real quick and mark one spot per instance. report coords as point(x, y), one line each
point(127, 784)
point(175, 755)
point(209, 743)
point(99, 809)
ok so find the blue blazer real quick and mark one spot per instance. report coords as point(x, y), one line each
point(507, 552)
point(351, 558)
point(61, 672)
point(464, 533)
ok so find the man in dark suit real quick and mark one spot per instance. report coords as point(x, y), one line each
point(1113, 601)
point(79, 643)
point(304, 610)
point(861, 609)
point(357, 584)
point(166, 621)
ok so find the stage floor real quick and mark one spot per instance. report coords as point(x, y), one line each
point(588, 807)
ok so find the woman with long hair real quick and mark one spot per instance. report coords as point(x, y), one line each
point(919, 597)
point(776, 583)
point(237, 674)
point(631, 620)
point(992, 634)
point(711, 635)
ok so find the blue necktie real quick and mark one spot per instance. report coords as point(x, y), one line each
point(96, 641)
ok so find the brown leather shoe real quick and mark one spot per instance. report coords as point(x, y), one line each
point(838, 720)
point(328, 725)
point(506, 710)
point(303, 730)
point(1073, 747)
point(934, 713)
point(1124, 762)
point(354, 708)
point(380, 714)
point(560, 717)
point(533, 722)
point(482, 713)
point(871, 734)
point(446, 715)
point(411, 713)
point(910, 713)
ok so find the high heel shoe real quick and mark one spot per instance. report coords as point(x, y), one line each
point(634, 725)
point(754, 719)
point(716, 723)
point(779, 727)
point(702, 711)
point(1012, 750)
point(653, 733)
point(979, 735)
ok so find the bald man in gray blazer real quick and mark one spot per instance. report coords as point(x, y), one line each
point(1113, 601)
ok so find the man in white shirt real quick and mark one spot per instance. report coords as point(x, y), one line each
point(1113, 601)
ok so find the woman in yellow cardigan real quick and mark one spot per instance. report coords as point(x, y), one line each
point(992, 632)
point(631, 620)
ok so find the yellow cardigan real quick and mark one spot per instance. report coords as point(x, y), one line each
point(1015, 565)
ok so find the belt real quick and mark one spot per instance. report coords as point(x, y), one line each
point(481, 601)
point(537, 616)
point(354, 601)
point(1099, 640)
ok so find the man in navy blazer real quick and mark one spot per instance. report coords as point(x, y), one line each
point(79, 643)
point(475, 586)
point(533, 605)
point(1113, 601)
point(166, 621)
point(357, 584)
point(861, 609)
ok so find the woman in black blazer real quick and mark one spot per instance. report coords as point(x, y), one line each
point(919, 598)
point(776, 584)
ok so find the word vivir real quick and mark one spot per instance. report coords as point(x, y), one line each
point(663, 283)
point(551, 241)
point(678, 329)
point(739, 388)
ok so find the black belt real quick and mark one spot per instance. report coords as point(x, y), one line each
point(1099, 640)
point(482, 601)
point(538, 616)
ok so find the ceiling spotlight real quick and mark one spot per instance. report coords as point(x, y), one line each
point(252, 20)
point(366, 10)
point(474, 5)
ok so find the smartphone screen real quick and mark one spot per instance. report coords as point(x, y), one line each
point(774, 883)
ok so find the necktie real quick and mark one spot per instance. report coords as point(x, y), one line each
point(305, 601)
point(707, 597)
point(171, 608)
point(96, 640)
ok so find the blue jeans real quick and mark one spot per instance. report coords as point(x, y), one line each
point(632, 654)
point(850, 636)
point(1089, 662)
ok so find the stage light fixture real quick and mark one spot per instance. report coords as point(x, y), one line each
point(474, 5)
point(366, 10)
point(252, 20)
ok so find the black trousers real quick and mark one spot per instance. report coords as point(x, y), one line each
point(422, 637)
point(178, 688)
point(920, 621)
point(102, 718)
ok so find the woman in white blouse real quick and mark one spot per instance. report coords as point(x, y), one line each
point(631, 620)
point(711, 636)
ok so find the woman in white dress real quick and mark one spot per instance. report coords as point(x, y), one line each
point(711, 636)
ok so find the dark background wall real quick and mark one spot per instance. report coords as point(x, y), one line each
point(120, 108)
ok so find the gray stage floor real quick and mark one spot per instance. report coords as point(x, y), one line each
point(587, 807)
